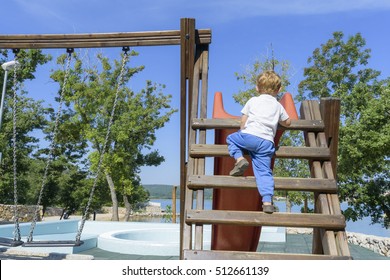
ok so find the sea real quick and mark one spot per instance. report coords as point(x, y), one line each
point(363, 226)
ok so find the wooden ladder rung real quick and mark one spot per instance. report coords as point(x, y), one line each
point(238, 255)
point(289, 184)
point(256, 218)
point(304, 125)
point(314, 153)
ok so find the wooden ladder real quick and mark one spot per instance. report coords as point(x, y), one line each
point(320, 123)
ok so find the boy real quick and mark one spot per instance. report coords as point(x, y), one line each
point(259, 121)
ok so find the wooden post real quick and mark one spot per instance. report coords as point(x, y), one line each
point(187, 57)
point(330, 112)
point(174, 189)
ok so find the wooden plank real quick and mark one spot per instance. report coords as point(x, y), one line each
point(201, 77)
point(323, 241)
point(341, 237)
point(289, 184)
point(250, 218)
point(237, 255)
point(186, 83)
point(196, 166)
point(98, 40)
point(208, 150)
point(329, 243)
point(342, 241)
point(328, 239)
point(315, 167)
point(330, 112)
point(304, 125)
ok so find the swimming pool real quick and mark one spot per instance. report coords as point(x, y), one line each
point(138, 238)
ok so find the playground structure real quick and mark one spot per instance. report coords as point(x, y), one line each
point(318, 121)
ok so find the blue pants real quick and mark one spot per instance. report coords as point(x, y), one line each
point(261, 151)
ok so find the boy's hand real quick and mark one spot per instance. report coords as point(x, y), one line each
point(286, 122)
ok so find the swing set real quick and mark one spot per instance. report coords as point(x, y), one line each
point(185, 37)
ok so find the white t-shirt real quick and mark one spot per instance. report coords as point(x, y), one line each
point(264, 113)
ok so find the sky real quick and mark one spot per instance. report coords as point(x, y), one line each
point(242, 31)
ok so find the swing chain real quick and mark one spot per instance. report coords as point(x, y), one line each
point(50, 156)
point(17, 235)
point(103, 151)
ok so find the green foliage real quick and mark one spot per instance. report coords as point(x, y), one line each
point(339, 69)
point(90, 99)
point(168, 215)
point(160, 191)
point(249, 76)
point(30, 117)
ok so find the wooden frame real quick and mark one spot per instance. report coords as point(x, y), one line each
point(193, 42)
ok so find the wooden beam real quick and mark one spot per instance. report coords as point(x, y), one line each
point(250, 218)
point(289, 184)
point(237, 255)
point(303, 125)
point(330, 112)
point(98, 40)
point(198, 150)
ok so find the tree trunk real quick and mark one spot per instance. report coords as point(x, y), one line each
point(305, 205)
point(288, 205)
point(114, 199)
point(128, 208)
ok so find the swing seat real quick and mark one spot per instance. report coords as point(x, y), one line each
point(61, 243)
point(10, 242)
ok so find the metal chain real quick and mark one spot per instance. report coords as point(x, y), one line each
point(17, 235)
point(52, 144)
point(119, 85)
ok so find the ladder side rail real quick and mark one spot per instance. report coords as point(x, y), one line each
point(200, 162)
point(187, 57)
point(330, 244)
point(191, 165)
point(330, 113)
point(315, 166)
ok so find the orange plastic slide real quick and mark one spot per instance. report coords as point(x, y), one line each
point(228, 237)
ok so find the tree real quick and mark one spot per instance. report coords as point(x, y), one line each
point(30, 117)
point(137, 117)
point(339, 69)
point(249, 77)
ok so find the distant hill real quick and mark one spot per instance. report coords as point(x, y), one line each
point(157, 191)
point(160, 191)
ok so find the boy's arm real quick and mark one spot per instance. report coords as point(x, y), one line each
point(286, 122)
point(244, 118)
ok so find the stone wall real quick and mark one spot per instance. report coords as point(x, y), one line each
point(25, 213)
point(150, 209)
point(379, 245)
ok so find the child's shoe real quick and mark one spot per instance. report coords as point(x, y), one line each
point(269, 208)
point(239, 168)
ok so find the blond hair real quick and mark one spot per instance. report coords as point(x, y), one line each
point(268, 82)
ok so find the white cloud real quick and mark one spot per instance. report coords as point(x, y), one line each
point(42, 10)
